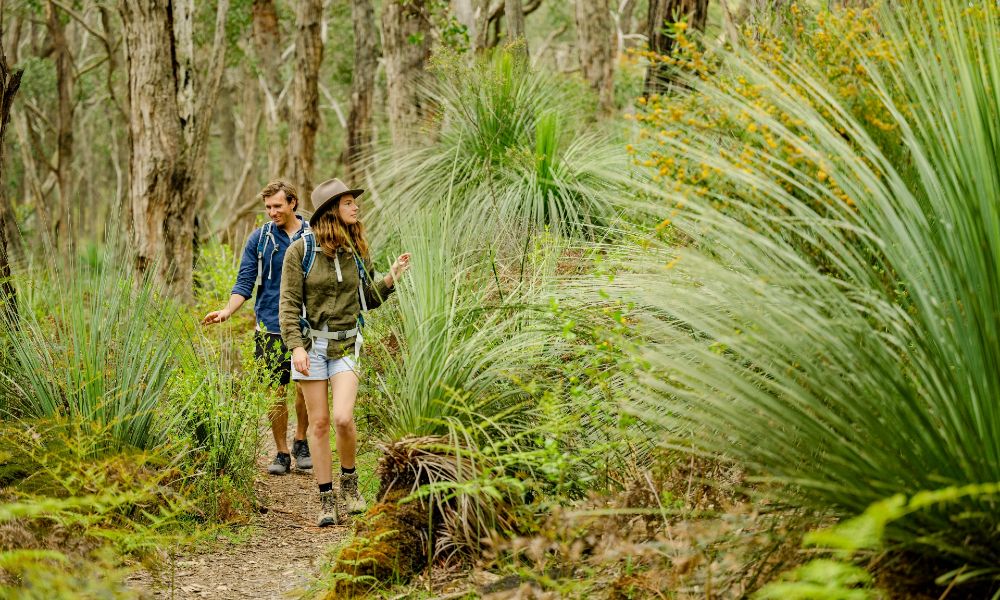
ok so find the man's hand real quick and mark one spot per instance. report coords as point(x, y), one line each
point(216, 316)
point(300, 360)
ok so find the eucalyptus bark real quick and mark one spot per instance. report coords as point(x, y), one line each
point(514, 20)
point(62, 226)
point(168, 131)
point(359, 123)
point(597, 42)
point(406, 44)
point(266, 38)
point(660, 76)
point(465, 14)
point(304, 112)
point(9, 83)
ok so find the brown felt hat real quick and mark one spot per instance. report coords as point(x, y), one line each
point(327, 195)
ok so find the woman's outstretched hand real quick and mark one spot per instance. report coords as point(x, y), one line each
point(399, 267)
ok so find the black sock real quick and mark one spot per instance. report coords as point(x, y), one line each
point(285, 454)
point(347, 471)
point(326, 487)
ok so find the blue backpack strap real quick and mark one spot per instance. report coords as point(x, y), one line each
point(308, 260)
point(309, 253)
point(265, 233)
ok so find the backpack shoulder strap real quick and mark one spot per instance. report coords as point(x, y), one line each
point(308, 253)
point(265, 232)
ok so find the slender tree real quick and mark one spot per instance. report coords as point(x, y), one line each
point(597, 44)
point(9, 83)
point(304, 112)
point(406, 44)
point(659, 76)
point(359, 123)
point(168, 132)
point(266, 43)
point(63, 230)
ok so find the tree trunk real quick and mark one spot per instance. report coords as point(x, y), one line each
point(304, 114)
point(597, 44)
point(267, 50)
point(659, 76)
point(482, 18)
point(359, 123)
point(514, 20)
point(167, 136)
point(406, 45)
point(9, 82)
point(465, 14)
point(63, 230)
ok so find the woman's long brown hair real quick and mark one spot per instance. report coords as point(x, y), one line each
point(332, 233)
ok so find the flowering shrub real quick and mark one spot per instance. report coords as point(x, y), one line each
point(841, 48)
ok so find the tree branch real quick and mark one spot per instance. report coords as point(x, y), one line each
point(79, 19)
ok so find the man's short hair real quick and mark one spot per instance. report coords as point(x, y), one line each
point(280, 186)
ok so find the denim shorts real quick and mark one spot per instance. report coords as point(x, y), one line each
point(321, 367)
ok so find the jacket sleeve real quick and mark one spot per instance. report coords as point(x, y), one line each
point(291, 297)
point(247, 275)
point(376, 292)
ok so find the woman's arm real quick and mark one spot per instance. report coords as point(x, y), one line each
point(291, 297)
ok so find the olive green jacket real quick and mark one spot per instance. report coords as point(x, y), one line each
point(327, 301)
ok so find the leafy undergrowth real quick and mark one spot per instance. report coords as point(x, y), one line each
point(70, 519)
point(683, 527)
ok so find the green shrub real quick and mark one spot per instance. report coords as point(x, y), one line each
point(69, 520)
point(93, 345)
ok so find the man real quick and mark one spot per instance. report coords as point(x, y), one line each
point(260, 271)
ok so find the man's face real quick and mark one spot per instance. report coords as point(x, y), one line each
point(279, 209)
point(349, 209)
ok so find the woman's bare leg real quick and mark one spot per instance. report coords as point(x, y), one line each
point(345, 393)
point(314, 393)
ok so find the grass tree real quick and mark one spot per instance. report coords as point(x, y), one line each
point(459, 347)
point(510, 145)
point(94, 348)
point(837, 331)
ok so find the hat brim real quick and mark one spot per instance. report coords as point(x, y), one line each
point(332, 202)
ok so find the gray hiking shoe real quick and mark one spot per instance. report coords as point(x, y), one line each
point(352, 497)
point(282, 464)
point(328, 514)
point(300, 450)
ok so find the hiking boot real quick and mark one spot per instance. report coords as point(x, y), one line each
point(328, 513)
point(352, 497)
point(282, 464)
point(300, 450)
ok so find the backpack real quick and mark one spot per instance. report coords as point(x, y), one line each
point(267, 233)
point(308, 260)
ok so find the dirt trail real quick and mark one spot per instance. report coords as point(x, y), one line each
point(281, 556)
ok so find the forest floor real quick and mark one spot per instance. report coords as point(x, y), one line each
point(278, 553)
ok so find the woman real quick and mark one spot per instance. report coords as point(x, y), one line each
point(324, 339)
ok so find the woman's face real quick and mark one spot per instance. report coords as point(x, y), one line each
point(349, 209)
